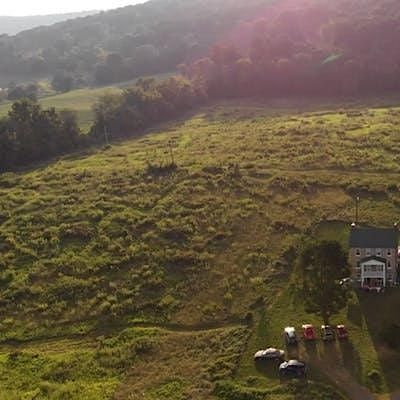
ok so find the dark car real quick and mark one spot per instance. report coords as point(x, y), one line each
point(293, 369)
point(327, 333)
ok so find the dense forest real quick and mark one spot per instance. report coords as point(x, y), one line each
point(308, 47)
point(281, 46)
point(125, 43)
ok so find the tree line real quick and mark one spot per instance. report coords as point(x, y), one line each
point(32, 134)
point(143, 105)
point(308, 48)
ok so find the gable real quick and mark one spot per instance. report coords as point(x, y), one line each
point(373, 261)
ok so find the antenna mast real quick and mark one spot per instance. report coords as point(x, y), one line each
point(357, 208)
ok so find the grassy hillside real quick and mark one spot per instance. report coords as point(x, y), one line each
point(114, 241)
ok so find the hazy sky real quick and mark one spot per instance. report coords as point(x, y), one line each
point(41, 7)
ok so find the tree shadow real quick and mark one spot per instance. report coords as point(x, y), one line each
point(378, 310)
point(269, 368)
point(354, 314)
point(351, 359)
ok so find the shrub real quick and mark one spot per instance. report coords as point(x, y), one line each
point(374, 380)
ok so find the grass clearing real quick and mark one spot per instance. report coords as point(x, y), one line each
point(81, 101)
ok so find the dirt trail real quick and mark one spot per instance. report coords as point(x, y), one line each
point(346, 382)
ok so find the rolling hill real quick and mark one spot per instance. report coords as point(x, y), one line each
point(13, 25)
point(122, 44)
point(118, 279)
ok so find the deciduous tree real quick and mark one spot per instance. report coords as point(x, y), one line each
point(321, 267)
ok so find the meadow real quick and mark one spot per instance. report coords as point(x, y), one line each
point(80, 101)
point(174, 252)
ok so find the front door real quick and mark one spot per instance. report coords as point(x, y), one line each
point(373, 282)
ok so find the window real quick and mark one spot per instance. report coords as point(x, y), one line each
point(358, 252)
point(373, 268)
point(389, 265)
point(378, 252)
point(368, 252)
point(389, 252)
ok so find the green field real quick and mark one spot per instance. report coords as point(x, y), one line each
point(81, 101)
point(135, 277)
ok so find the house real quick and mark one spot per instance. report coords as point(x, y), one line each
point(374, 254)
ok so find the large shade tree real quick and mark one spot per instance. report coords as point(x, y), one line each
point(321, 267)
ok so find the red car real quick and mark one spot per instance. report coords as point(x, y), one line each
point(341, 332)
point(309, 332)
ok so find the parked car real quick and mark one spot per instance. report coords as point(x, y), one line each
point(327, 333)
point(290, 335)
point(293, 369)
point(342, 332)
point(309, 332)
point(346, 282)
point(269, 354)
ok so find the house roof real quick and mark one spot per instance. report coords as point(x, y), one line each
point(374, 238)
point(375, 258)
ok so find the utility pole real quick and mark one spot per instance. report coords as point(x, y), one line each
point(357, 208)
point(171, 152)
point(105, 134)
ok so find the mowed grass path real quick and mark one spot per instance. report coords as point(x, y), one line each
point(98, 239)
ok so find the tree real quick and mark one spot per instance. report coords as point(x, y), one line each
point(20, 92)
point(62, 82)
point(321, 267)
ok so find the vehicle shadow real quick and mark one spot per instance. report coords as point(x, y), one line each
point(354, 314)
point(311, 349)
point(269, 368)
point(292, 351)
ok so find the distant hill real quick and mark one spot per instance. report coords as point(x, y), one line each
point(122, 44)
point(14, 25)
point(303, 36)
